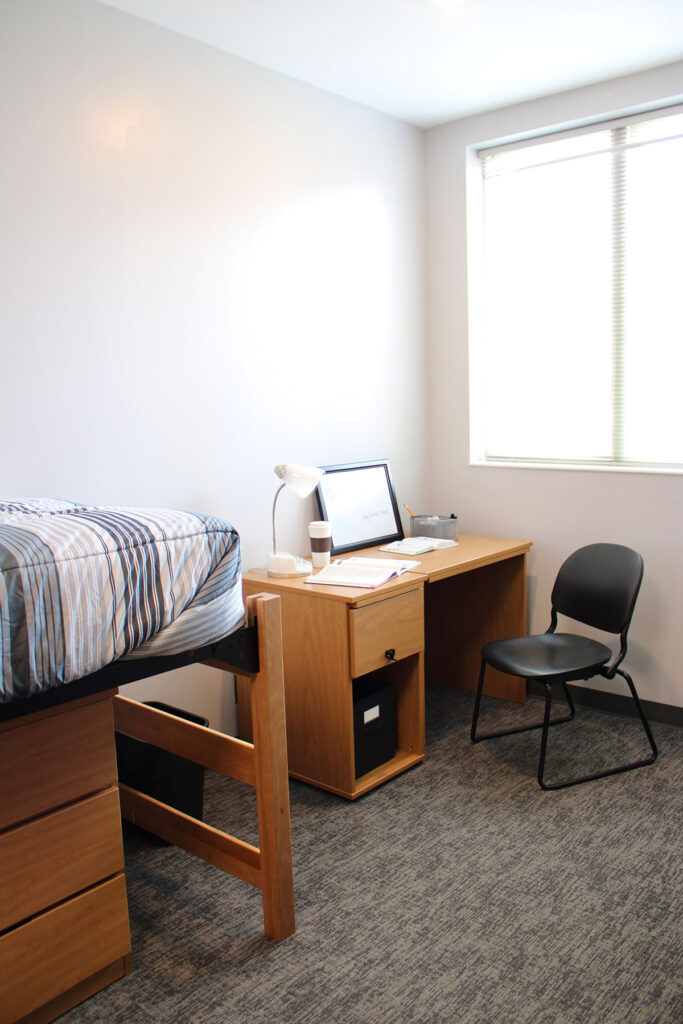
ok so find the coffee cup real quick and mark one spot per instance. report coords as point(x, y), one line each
point(320, 533)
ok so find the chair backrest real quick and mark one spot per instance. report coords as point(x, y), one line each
point(598, 585)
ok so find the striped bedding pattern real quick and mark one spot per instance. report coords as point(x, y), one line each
point(83, 585)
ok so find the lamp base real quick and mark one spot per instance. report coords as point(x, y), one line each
point(285, 565)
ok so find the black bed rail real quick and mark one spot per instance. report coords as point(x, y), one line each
point(237, 652)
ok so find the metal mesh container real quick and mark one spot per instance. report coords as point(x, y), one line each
point(445, 527)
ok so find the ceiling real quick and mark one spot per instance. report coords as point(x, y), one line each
point(430, 61)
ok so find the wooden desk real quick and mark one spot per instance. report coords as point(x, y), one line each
point(453, 602)
point(474, 592)
point(332, 636)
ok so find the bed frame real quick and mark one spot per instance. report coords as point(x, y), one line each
point(64, 931)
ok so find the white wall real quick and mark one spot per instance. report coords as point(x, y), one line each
point(207, 269)
point(559, 510)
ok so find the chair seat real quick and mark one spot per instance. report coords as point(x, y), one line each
point(561, 655)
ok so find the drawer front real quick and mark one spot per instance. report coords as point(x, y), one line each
point(55, 759)
point(61, 948)
point(53, 857)
point(397, 623)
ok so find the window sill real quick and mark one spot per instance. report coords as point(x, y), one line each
point(583, 467)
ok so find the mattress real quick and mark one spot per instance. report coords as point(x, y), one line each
point(83, 585)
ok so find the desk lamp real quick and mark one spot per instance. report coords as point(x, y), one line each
point(302, 480)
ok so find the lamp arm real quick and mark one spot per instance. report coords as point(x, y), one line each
point(277, 495)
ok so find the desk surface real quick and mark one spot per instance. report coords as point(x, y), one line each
point(354, 596)
point(471, 552)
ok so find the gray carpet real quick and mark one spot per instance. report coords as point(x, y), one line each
point(458, 892)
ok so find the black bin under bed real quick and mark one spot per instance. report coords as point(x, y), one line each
point(167, 777)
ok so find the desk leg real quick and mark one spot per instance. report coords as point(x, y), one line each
point(464, 612)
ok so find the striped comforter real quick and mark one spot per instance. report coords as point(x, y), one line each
point(81, 586)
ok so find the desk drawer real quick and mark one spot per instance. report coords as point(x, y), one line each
point(53, 857)
point(397, 623)
point(60, 949)
point(49, 761)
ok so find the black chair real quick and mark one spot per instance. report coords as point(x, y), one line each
point(598, 586)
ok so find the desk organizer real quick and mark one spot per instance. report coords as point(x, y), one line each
point(445, 527)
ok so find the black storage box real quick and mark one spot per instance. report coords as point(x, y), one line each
point(167, 777)
point(373, 723)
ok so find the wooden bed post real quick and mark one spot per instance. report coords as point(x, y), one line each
point(272, 779)
point(261, 764)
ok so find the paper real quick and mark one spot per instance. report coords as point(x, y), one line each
point(396, 564)
point(360, 572)
point(418, 545)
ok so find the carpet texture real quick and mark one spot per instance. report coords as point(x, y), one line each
point(457, 892)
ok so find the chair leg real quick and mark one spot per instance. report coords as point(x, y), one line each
point(521, 728)
point(641, 713)
point(609, 771)
point(477, 703)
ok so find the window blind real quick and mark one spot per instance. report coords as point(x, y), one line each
point(580, 347)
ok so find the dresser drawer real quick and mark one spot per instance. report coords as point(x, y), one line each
point(61, 948)
point(395, 624)
point(59, 854)
point(55, 759)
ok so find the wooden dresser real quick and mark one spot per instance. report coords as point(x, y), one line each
point(64, 930)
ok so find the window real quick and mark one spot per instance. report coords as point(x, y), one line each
point(576, 324)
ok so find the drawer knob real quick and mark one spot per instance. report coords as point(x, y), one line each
point(390, 655)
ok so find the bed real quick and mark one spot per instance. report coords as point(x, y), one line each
point(92, 597)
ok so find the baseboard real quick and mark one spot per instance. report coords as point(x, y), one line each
point(622, 704)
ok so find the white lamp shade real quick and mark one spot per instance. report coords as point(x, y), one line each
point(301, 479)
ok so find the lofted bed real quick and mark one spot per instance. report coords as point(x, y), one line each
point(92, 598)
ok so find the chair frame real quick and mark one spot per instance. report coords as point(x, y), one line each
point(607, 671)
